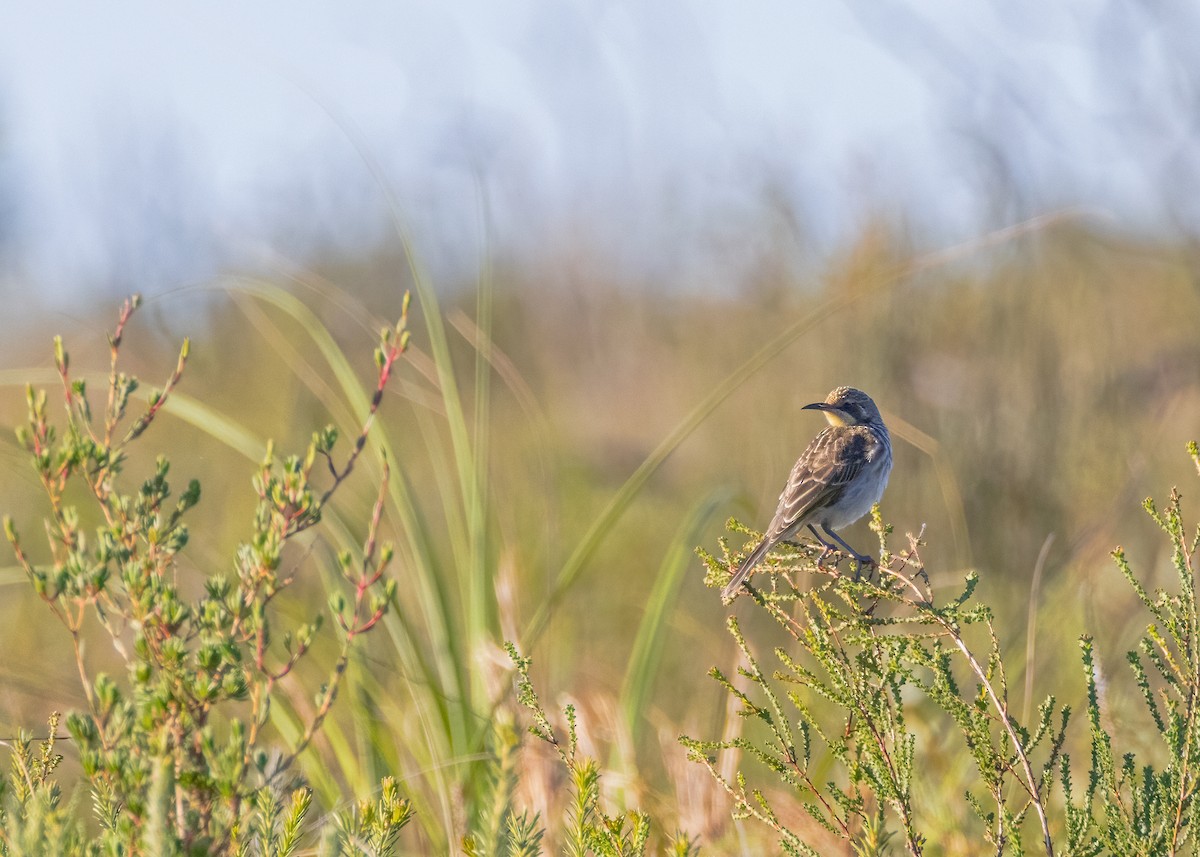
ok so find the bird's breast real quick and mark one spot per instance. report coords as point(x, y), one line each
point(861, 493)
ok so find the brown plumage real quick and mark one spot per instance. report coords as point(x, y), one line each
point(836, 480)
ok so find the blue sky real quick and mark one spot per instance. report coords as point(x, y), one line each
point(148, 145)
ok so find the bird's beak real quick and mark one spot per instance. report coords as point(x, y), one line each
point(832, 415)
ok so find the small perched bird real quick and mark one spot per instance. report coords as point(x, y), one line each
point(837, 480)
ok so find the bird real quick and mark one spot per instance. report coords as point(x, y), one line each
point(837, 479)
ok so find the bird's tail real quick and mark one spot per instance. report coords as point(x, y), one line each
point(735, 582)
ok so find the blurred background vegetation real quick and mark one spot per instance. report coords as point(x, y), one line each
point(1038, 390)
point(1039, 380)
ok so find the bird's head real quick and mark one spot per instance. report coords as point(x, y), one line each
point(847, 406)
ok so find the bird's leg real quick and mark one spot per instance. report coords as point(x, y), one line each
point(859, 558)
point(828, 547)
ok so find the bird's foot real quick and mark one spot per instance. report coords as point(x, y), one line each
point(861, 562)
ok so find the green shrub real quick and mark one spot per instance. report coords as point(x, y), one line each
point(585, 828)
point(869, 663)
point(173, 751)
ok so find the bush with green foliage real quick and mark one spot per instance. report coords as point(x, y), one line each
point(586, 829)
point(865, 661)
point(173, 751)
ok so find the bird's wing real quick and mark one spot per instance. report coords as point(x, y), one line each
point(831, 461)
point(834, 458)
